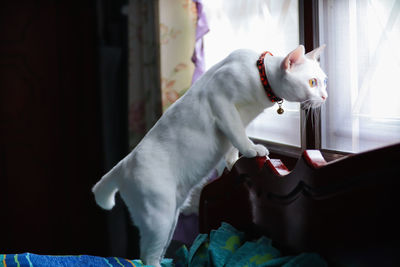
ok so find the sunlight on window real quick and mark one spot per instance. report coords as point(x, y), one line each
point(388, 66)
point(259, 25)
point(363, 65)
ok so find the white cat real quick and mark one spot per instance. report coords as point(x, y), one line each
point(204, 126)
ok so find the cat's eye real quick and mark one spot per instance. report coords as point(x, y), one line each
point(326, 82)
point(313, 82)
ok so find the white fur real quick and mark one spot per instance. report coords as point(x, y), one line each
point(194, 134)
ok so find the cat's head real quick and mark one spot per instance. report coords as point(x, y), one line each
point(303, 77)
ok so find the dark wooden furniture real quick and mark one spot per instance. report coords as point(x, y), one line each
point(346, 210)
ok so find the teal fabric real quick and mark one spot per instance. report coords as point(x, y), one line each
point(227, 247)
point(224, 247)
point(223, 244)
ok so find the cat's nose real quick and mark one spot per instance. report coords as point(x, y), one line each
point(323, 97)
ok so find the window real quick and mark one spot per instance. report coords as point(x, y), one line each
point(257, 25)
point(363, 64)
point(361, 60)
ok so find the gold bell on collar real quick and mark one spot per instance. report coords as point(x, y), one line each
point(280, 109)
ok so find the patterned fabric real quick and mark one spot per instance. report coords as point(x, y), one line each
point(228, 247)
point(144, 65)
point(264, 80)
point(34, 260)
point(178, 20)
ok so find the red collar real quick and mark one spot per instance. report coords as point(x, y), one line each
point(264, 80)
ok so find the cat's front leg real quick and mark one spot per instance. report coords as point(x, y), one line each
point(231, 157)
point(229, 122)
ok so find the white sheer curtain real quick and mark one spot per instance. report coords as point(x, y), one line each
point(362, 61)
point(260, 25)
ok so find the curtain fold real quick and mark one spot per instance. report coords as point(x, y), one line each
point(144, 82)
point(201, 30)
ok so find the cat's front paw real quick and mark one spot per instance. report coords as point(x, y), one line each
point(261, 150)
point(256, 150)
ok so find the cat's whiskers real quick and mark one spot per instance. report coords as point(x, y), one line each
point(307, 104)
point(311, 109)
point(310, 103)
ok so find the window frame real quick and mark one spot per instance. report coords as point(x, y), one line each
point(311, 133)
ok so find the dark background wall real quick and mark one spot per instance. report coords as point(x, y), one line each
point(113, 65)
point(63, 124)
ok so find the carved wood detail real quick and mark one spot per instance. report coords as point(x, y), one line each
point(333, 208)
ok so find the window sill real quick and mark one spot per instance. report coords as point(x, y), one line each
point(290, 154)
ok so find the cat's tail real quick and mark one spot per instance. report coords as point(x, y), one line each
point(105, 189)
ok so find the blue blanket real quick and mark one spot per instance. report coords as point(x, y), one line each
point(224, 247)
point(34, 260)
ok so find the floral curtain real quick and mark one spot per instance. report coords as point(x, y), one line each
point(177, 39)
point(144, 68)
point(165, 51)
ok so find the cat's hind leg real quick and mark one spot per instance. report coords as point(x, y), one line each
point(153, 240)
point(154, 218)
point(172, 231)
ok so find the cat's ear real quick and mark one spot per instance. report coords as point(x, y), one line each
point(294, 57)
point(314, 55)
